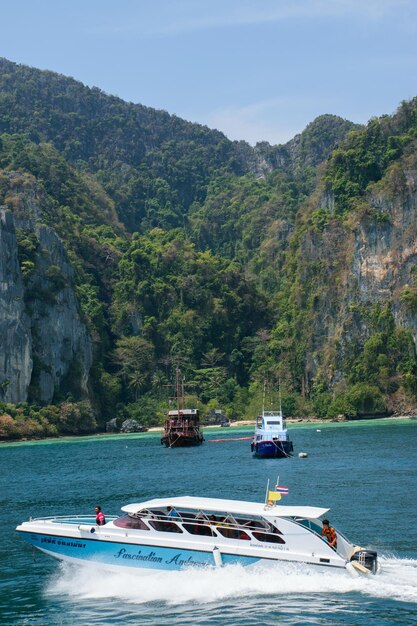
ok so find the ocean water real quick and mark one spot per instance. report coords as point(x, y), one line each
point(365, 472)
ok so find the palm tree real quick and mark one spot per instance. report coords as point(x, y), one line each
point(212, 357)
point(137, 380)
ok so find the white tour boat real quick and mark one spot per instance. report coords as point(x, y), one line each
point(174, 533)
point(271, 439)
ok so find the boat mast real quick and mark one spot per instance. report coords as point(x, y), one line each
point(267, 492)
point(182, 393)
point(177, 380)
point(279, 395)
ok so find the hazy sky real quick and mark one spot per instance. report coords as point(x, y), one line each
point(255, 69)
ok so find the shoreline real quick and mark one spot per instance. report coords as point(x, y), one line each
point(235, 424)
point(302, 420)
point(156, 429)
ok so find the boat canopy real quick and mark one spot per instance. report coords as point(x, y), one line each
point(231, 506)
point(183, 412)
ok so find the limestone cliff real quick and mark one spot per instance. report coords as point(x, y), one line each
point(60, 340)
point(349, 266)
point(45, 346)
point(386, 242)
point(15, 333)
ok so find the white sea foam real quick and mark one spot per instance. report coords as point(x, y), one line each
point(397, 580)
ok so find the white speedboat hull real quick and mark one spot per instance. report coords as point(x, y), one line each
point(148, 538)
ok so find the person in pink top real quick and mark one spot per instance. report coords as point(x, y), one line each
point(100, 519)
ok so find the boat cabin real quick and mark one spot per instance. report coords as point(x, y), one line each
point(202, 523)
point(182, 418)
point(271, 421)
point(184, 422)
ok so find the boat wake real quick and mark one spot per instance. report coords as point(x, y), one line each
point(397, 580)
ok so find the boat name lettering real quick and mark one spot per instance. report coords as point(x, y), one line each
point(179, 561)
point(273, 547)
point(47, 540)
point(61, 542)
point(138, 556)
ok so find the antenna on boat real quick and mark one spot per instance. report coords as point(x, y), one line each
point(263, 398)
point(279, 395)
point(177, 382)
point(267, 492)
point(182, 392)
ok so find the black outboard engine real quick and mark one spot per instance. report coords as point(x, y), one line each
point(366, 558)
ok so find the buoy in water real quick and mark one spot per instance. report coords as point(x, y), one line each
point(318, 430)
point(302, 455)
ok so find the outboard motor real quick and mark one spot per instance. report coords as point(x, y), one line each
point(367, 559)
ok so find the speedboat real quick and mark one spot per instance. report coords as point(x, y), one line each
point(181, 532)
point(271, 439)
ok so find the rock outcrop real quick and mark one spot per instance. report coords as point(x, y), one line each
point(386, 246)
point(132, 426)
point(111, 426)
point(45, 346)
point(348, 267)
point(60, 339)
point(15, 327)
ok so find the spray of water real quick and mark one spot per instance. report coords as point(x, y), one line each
point(396, 580)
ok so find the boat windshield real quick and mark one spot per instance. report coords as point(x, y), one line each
point(313, 525)
point(130, 521)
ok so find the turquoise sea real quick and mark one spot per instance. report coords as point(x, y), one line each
point(365, 472)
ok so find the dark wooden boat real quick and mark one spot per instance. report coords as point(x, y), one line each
point(182, 426)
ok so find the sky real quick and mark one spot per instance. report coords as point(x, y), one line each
point(258, 70)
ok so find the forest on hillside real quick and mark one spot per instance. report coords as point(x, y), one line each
point(292, 264)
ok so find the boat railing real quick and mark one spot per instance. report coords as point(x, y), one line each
point(71, 519)
point(185, 517)
point(181, 425)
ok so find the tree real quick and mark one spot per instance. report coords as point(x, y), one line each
point(136, 361)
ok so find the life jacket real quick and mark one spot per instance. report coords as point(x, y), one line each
point(330, 534)
point(100, 519)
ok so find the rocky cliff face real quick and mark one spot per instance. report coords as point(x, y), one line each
point(15, 334)
point(385, 252)
point(351, 265)
point(45, 346)
point(60, 340)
